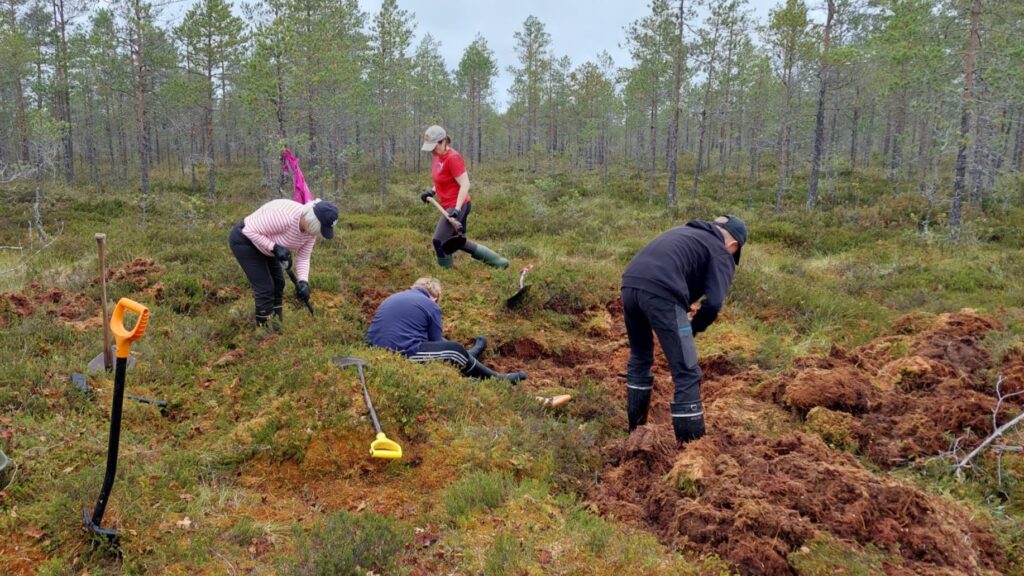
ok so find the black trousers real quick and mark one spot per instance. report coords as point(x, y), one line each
point(456, 354)
point(444, 231)
point(264, 272)
point(646, 313)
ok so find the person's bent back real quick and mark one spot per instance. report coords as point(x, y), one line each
point(409, 322)
point(407, 319)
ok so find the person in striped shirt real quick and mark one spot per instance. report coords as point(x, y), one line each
point(262, 243)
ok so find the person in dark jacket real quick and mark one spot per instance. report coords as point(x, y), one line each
point(660, 290)
point(409, 322)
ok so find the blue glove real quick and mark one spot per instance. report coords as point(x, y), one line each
point(454, 213)
point(426, 194)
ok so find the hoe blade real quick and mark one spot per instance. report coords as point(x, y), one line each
point(344, 361)
point(383, 447)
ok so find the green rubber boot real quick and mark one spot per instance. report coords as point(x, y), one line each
point(446, 261)
point(489, 257)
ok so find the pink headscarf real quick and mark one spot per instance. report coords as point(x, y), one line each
point(290, 165)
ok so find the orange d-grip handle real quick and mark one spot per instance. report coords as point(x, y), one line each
point(124, 336)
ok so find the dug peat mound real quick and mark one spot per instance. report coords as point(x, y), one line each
point(908, 393)
point(754, 501)
point(778, 468)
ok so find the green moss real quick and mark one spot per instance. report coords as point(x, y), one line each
point(825, 556)
point(835, 428)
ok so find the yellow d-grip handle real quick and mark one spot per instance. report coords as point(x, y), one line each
point(383, 447)
point(124, 336)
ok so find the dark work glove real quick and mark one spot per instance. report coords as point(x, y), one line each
point(426, 194)
point(302, 290)
point(283, 255)
point(454, 213)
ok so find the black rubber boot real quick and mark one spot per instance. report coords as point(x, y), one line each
point(445, 261)
point(687, 421)
point(638, 400)
point(475, 369)
point(513, 377)
point(277, 322)
point(262, 316)
point(478, 347)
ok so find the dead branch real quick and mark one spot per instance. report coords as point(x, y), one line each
point(964, 461)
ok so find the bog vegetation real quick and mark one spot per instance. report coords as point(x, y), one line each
point(871, 340)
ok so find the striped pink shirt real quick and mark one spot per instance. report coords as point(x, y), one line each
point(277, 222)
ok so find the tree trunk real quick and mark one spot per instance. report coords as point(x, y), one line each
point(62, 96)
point(699, 169)
point(898, 127)
point(383, 155)
point(139, 65)
point(22, 120)
point(1018, 145)
point(479, 128)
point(673, 133)
point(653, 133)
point(211, 145)
point(966, 105)
point(887, 140)
point(853, 129)
point(90, 140)
point(819, 119)
point(980, 161)
point(783, 145)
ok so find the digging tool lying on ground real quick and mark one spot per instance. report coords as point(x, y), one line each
point(554, 401)
point(124, 338)
point(82, 385)
point(517, 299)
point(382, 447)
point(5, 463)
point(453, 244)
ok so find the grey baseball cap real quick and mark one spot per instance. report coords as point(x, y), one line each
point(432, 137)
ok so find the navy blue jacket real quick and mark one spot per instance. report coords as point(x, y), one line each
point(684, 264)
point(405, 320)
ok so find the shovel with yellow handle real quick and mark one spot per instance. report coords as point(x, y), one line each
point(382, 447)
point(124, 337)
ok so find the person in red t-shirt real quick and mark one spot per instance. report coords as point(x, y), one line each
point(451, 187)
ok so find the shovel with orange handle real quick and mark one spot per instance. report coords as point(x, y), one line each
point(124, 337)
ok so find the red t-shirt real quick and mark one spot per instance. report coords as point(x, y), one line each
point(447, 167)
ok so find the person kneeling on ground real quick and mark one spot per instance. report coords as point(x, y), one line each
point(660, 289)
point(409, 322)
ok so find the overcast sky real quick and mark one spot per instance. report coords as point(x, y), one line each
point(579, 29)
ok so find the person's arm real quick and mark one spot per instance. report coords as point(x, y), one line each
point(261, 225)
point(720, 272)
point(457, 168)
point(302, 258)
point(434, 331)
point(463, 180)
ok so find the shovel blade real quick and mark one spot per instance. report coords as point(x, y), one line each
point(383, 447)
point(97, 364)
point(453, 244)
point(516, 300)
point(344, 361)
